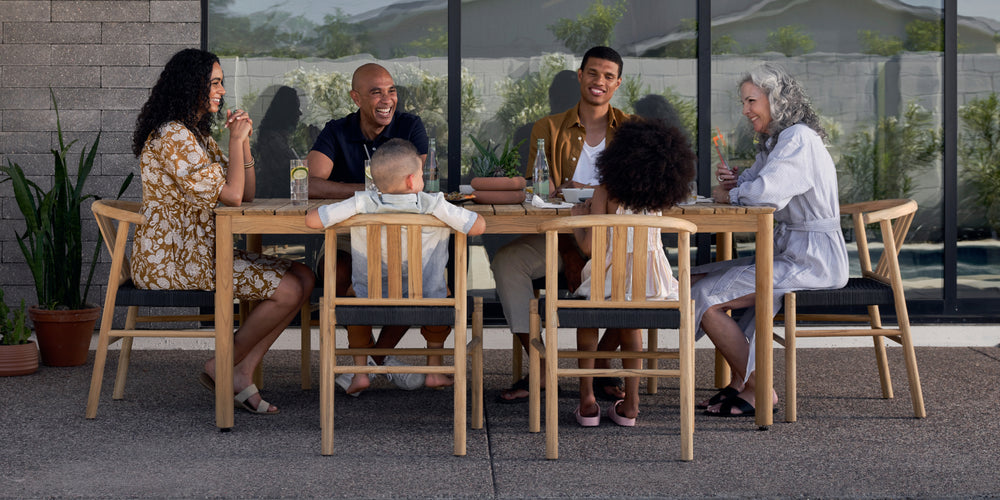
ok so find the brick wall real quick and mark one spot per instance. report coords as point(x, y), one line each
point(99, 58)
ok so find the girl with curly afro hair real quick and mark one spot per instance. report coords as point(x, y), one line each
point(185, 174)
point(647, 168)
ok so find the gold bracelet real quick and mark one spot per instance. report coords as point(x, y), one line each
point(251, 164)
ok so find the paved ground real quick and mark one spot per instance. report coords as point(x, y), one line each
point(161, 440)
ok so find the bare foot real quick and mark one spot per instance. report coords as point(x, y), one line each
point(438, 380)
point(359, 383)
point(742, 403)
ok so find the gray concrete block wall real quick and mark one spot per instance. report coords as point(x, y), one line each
point(99, 58)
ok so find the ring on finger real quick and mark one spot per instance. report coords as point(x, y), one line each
point(719, 177)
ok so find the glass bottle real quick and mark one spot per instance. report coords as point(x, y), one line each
point(431, 182)
point(541, 173)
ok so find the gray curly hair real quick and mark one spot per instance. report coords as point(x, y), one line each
point(788, 101)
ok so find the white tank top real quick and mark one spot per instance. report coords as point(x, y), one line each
point(586, 166)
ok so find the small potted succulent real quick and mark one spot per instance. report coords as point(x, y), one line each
point(496, 178)
point(18, 355)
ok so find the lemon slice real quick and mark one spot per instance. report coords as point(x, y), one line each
point(299, 173)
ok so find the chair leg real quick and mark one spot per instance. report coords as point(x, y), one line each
point(652, 346)
point(534, 367)
point(885, 379)
point(722, 374)
point(125, 354)
point(101, 356)
point(305, 364)
point(686, 343)
point(327, 361)
point(461, 372)
point(913, 375)
point(477, 363)
point(791, 367)
point(551, 386)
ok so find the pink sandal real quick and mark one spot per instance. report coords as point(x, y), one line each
point(618, 419)
point(588, 421)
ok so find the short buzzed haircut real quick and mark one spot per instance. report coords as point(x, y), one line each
point(393, 161)
point(606, 53)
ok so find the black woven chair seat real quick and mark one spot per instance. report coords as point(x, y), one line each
point(858, 291)
point(398, 315)
point(129, 295)
point(614, 318)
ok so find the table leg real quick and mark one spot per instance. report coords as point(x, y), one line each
point(765, 319)
point(223, 322)
point(723, 251)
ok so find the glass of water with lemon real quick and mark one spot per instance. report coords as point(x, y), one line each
point(299, 182)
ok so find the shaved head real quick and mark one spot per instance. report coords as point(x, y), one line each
point(365, 73)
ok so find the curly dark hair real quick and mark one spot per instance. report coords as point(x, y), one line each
point(647, 166)
point(180, 94)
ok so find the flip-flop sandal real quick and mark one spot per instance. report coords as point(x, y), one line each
point(726, 410)
point(519, 385)
point(602, 383)
point(206, 381)
point(262, 407)
point(722, 395)
point(593, 421)
point(619, 419)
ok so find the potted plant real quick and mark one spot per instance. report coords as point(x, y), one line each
point(52, 244)
point(18, 355)
point(496, 179)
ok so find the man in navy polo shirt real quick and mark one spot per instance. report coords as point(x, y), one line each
point(337, 170)
point(336, 162)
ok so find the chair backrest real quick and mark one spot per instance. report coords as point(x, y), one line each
point(621, 264)
point(393, 227)
point(115, 219)
point(893, 218)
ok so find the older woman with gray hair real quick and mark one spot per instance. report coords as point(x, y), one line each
point(793, 173)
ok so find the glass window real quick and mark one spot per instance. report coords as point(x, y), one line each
point(289, 63)
point(978, 150)
point(874, 75)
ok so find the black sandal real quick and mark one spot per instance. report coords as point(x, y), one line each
point(602, 383)
point(520, 385)
point(726, 393)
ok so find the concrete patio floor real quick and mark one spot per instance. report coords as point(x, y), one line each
point(160, 441)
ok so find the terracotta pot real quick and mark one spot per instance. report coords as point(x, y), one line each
point(498, 197)
point(19, 359)
point(498, 183)
point(64, 336)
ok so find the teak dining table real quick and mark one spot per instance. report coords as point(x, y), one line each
point(280, 216)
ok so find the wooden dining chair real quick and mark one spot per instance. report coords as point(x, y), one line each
point(623, 309)
point(115, 219)
point(876, 288)
point(403, 303)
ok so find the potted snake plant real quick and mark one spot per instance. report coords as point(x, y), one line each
point(52, 244)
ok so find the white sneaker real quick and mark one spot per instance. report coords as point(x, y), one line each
point(405, 381)
point(344, 381)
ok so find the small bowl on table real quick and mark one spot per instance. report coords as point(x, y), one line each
point(577, 195)
point(465, 189)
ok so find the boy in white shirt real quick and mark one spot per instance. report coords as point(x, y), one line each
point(397, 173)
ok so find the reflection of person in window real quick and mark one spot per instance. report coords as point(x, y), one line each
point(273, 148)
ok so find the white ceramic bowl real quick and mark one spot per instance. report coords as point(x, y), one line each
point(576, 195)
point(465, 189)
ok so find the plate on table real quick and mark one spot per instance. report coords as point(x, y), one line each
point(458, 197)
point(577, 195)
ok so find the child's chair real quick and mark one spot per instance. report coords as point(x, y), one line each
point(401, 234)
point(882, 286)
point(115, 219)
point(624, 309)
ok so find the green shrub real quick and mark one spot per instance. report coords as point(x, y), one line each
point(13, 324)
point(980, 153)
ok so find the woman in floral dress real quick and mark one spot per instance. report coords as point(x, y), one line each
point(184, 175)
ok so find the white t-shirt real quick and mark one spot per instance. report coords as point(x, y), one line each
point(435, 239)
point(586, 166)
